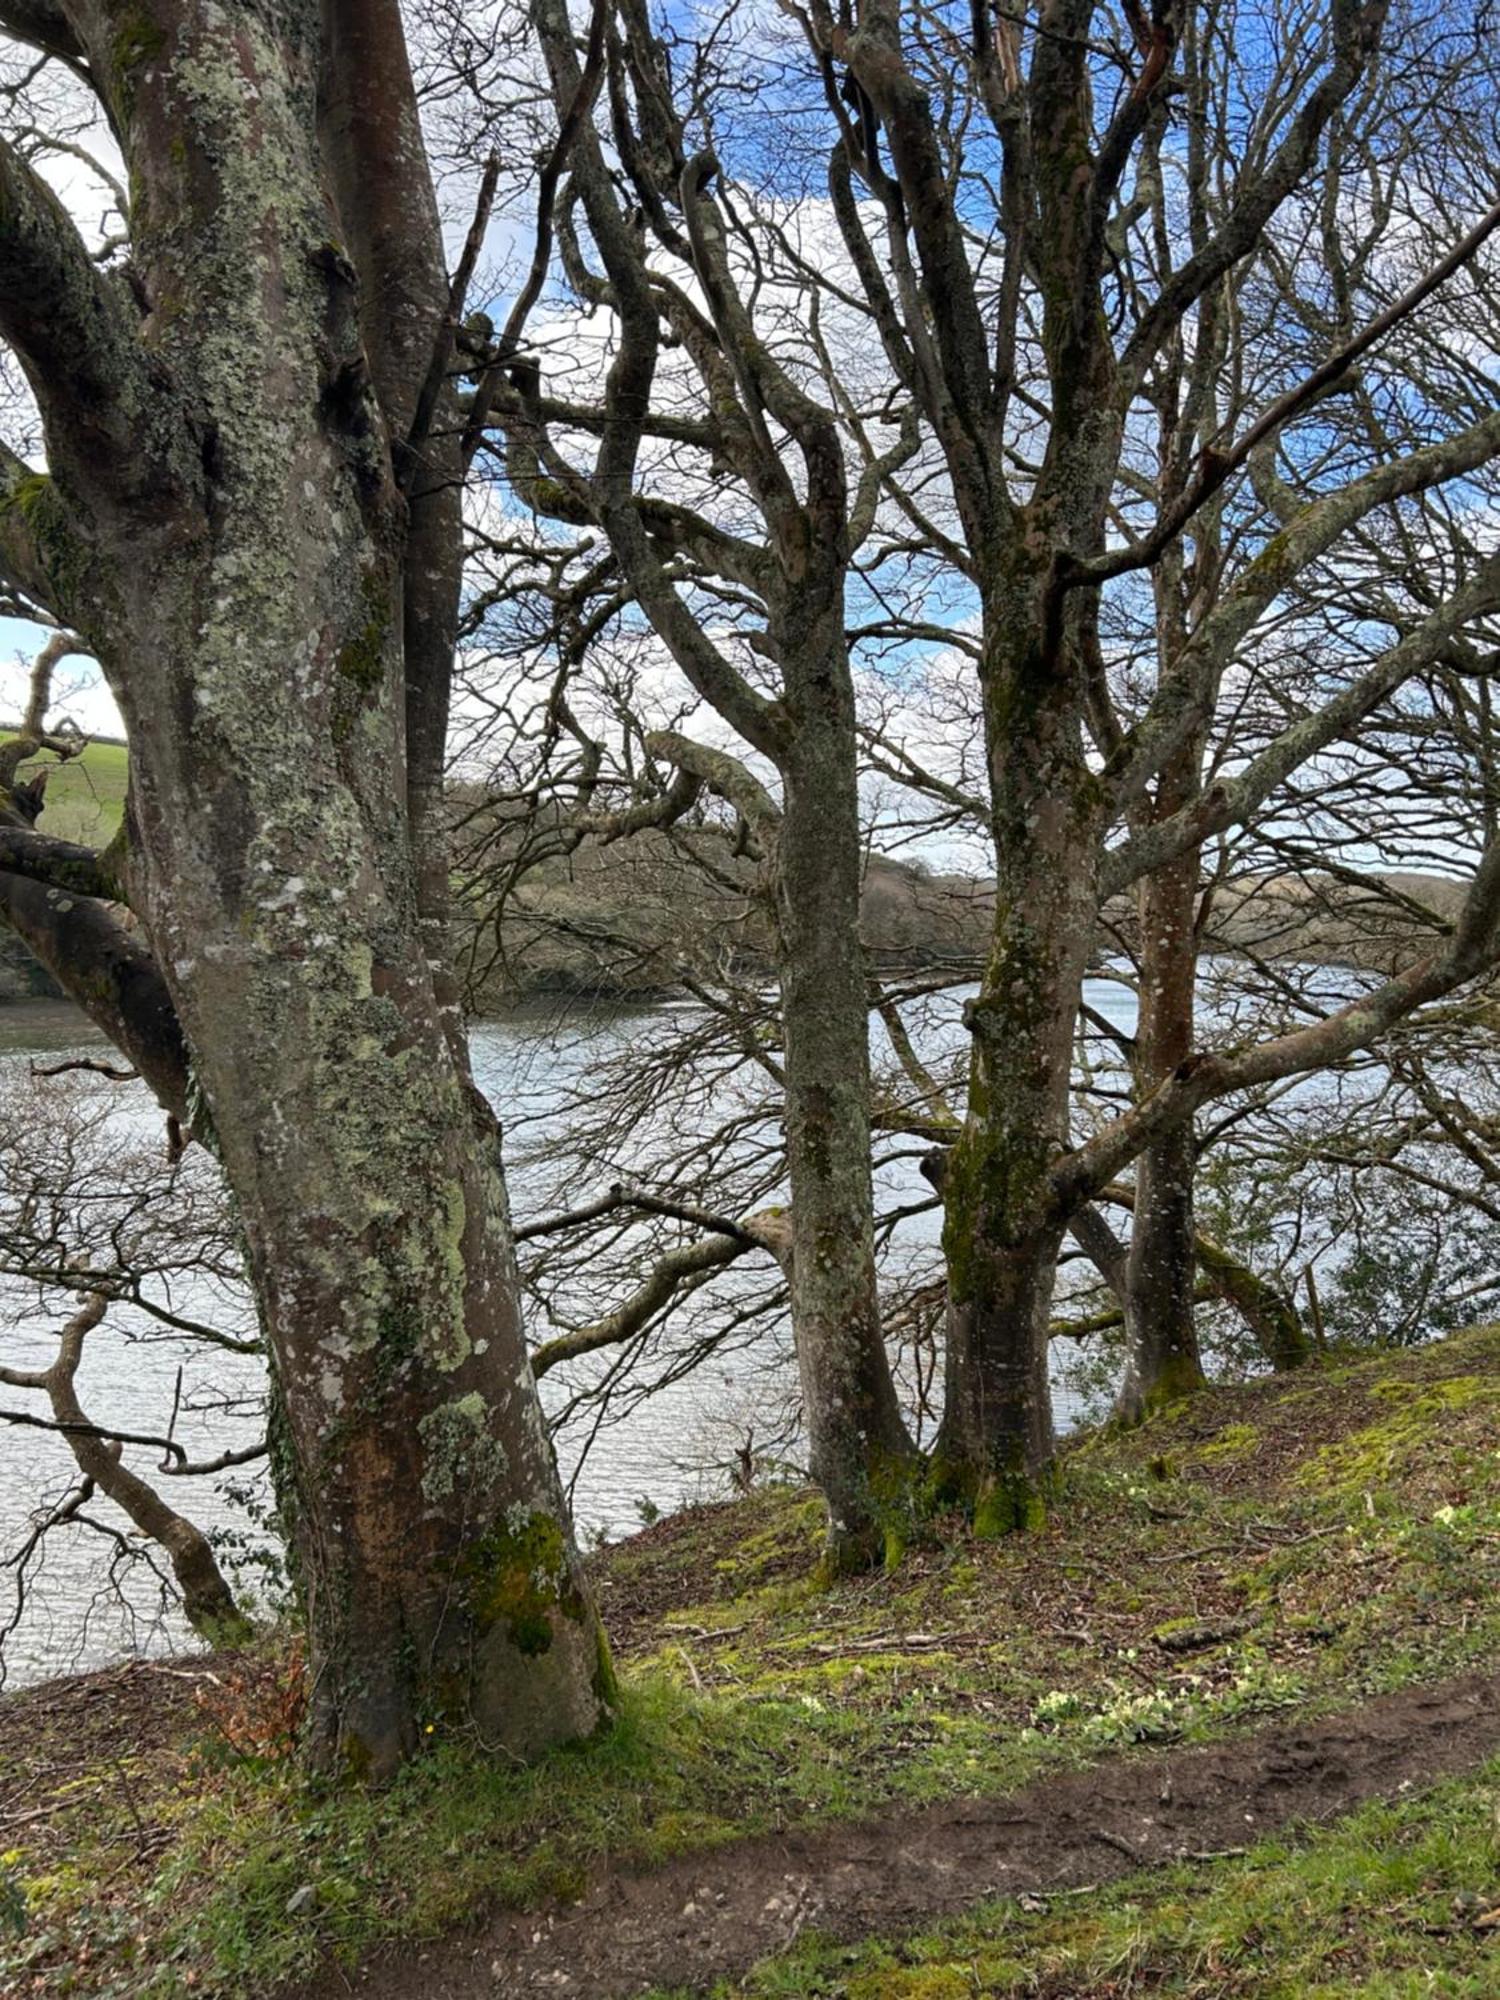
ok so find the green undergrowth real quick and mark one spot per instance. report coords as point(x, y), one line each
point(1279, 1549)
point(1398, 1899)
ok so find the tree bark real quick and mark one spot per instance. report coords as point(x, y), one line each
point(763, 422)
point(861, 1454)
point(1269, 1312)
point(225, 527)
point(1002, 1228)
point(1162, 1359)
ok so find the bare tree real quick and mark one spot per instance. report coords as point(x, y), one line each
point(1051, 230)
point(1033, 345)
point(95, 1223)
point(207, 1599)
point(778, 594)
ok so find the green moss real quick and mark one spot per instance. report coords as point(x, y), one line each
point(792, 1530)
point(362, 658)
point(519, 1577)
point(1421, 1422)
point(1169, 1626)
point(1232, 1442)
point(999, 1502)
point(548, 496)
point(31, 492)
point(895, 1482)
point(1180, 1378)
point(63, 555)
point(137, 39)
point(1010, 1504)
point(398, 1340)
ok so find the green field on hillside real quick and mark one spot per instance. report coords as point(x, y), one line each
point(85, 796)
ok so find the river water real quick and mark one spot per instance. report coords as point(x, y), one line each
point(87, 1598)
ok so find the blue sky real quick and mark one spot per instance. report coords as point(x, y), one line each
point(78, 685)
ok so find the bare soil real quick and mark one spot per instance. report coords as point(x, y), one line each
point(713, 1915)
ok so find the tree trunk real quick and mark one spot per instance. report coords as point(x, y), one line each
point(994, 1448)
point(861, 1454)
point(1162, 1359)
point(434, 1558)
point(225, 525)
point(1269, 1312)
point(1002, 1229)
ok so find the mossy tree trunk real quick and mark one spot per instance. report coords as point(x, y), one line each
point(1270, 1313)
point(227, 525)
point(1048, 809)
point(1002, 1225)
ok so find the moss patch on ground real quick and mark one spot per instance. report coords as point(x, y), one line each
point(1288, 1546)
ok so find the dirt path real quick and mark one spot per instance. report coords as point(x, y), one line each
point(703, 1918)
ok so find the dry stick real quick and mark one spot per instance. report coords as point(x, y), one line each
point(176, 1406)
point(198, 1468)
point(551, 173)
point(25, 1418)
point(11, 1820)
point(704, 1633)
point(620, 1197)
point(177, 1463)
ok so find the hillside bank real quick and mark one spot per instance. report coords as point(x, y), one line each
point(1262, 1558)
point(637, 917)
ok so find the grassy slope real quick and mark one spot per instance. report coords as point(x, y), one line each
point(1345, 1525)
point(85, 796)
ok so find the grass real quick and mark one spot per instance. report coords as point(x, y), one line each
point(85, 795)
point(1341, 1528)
point(1394, 1900)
